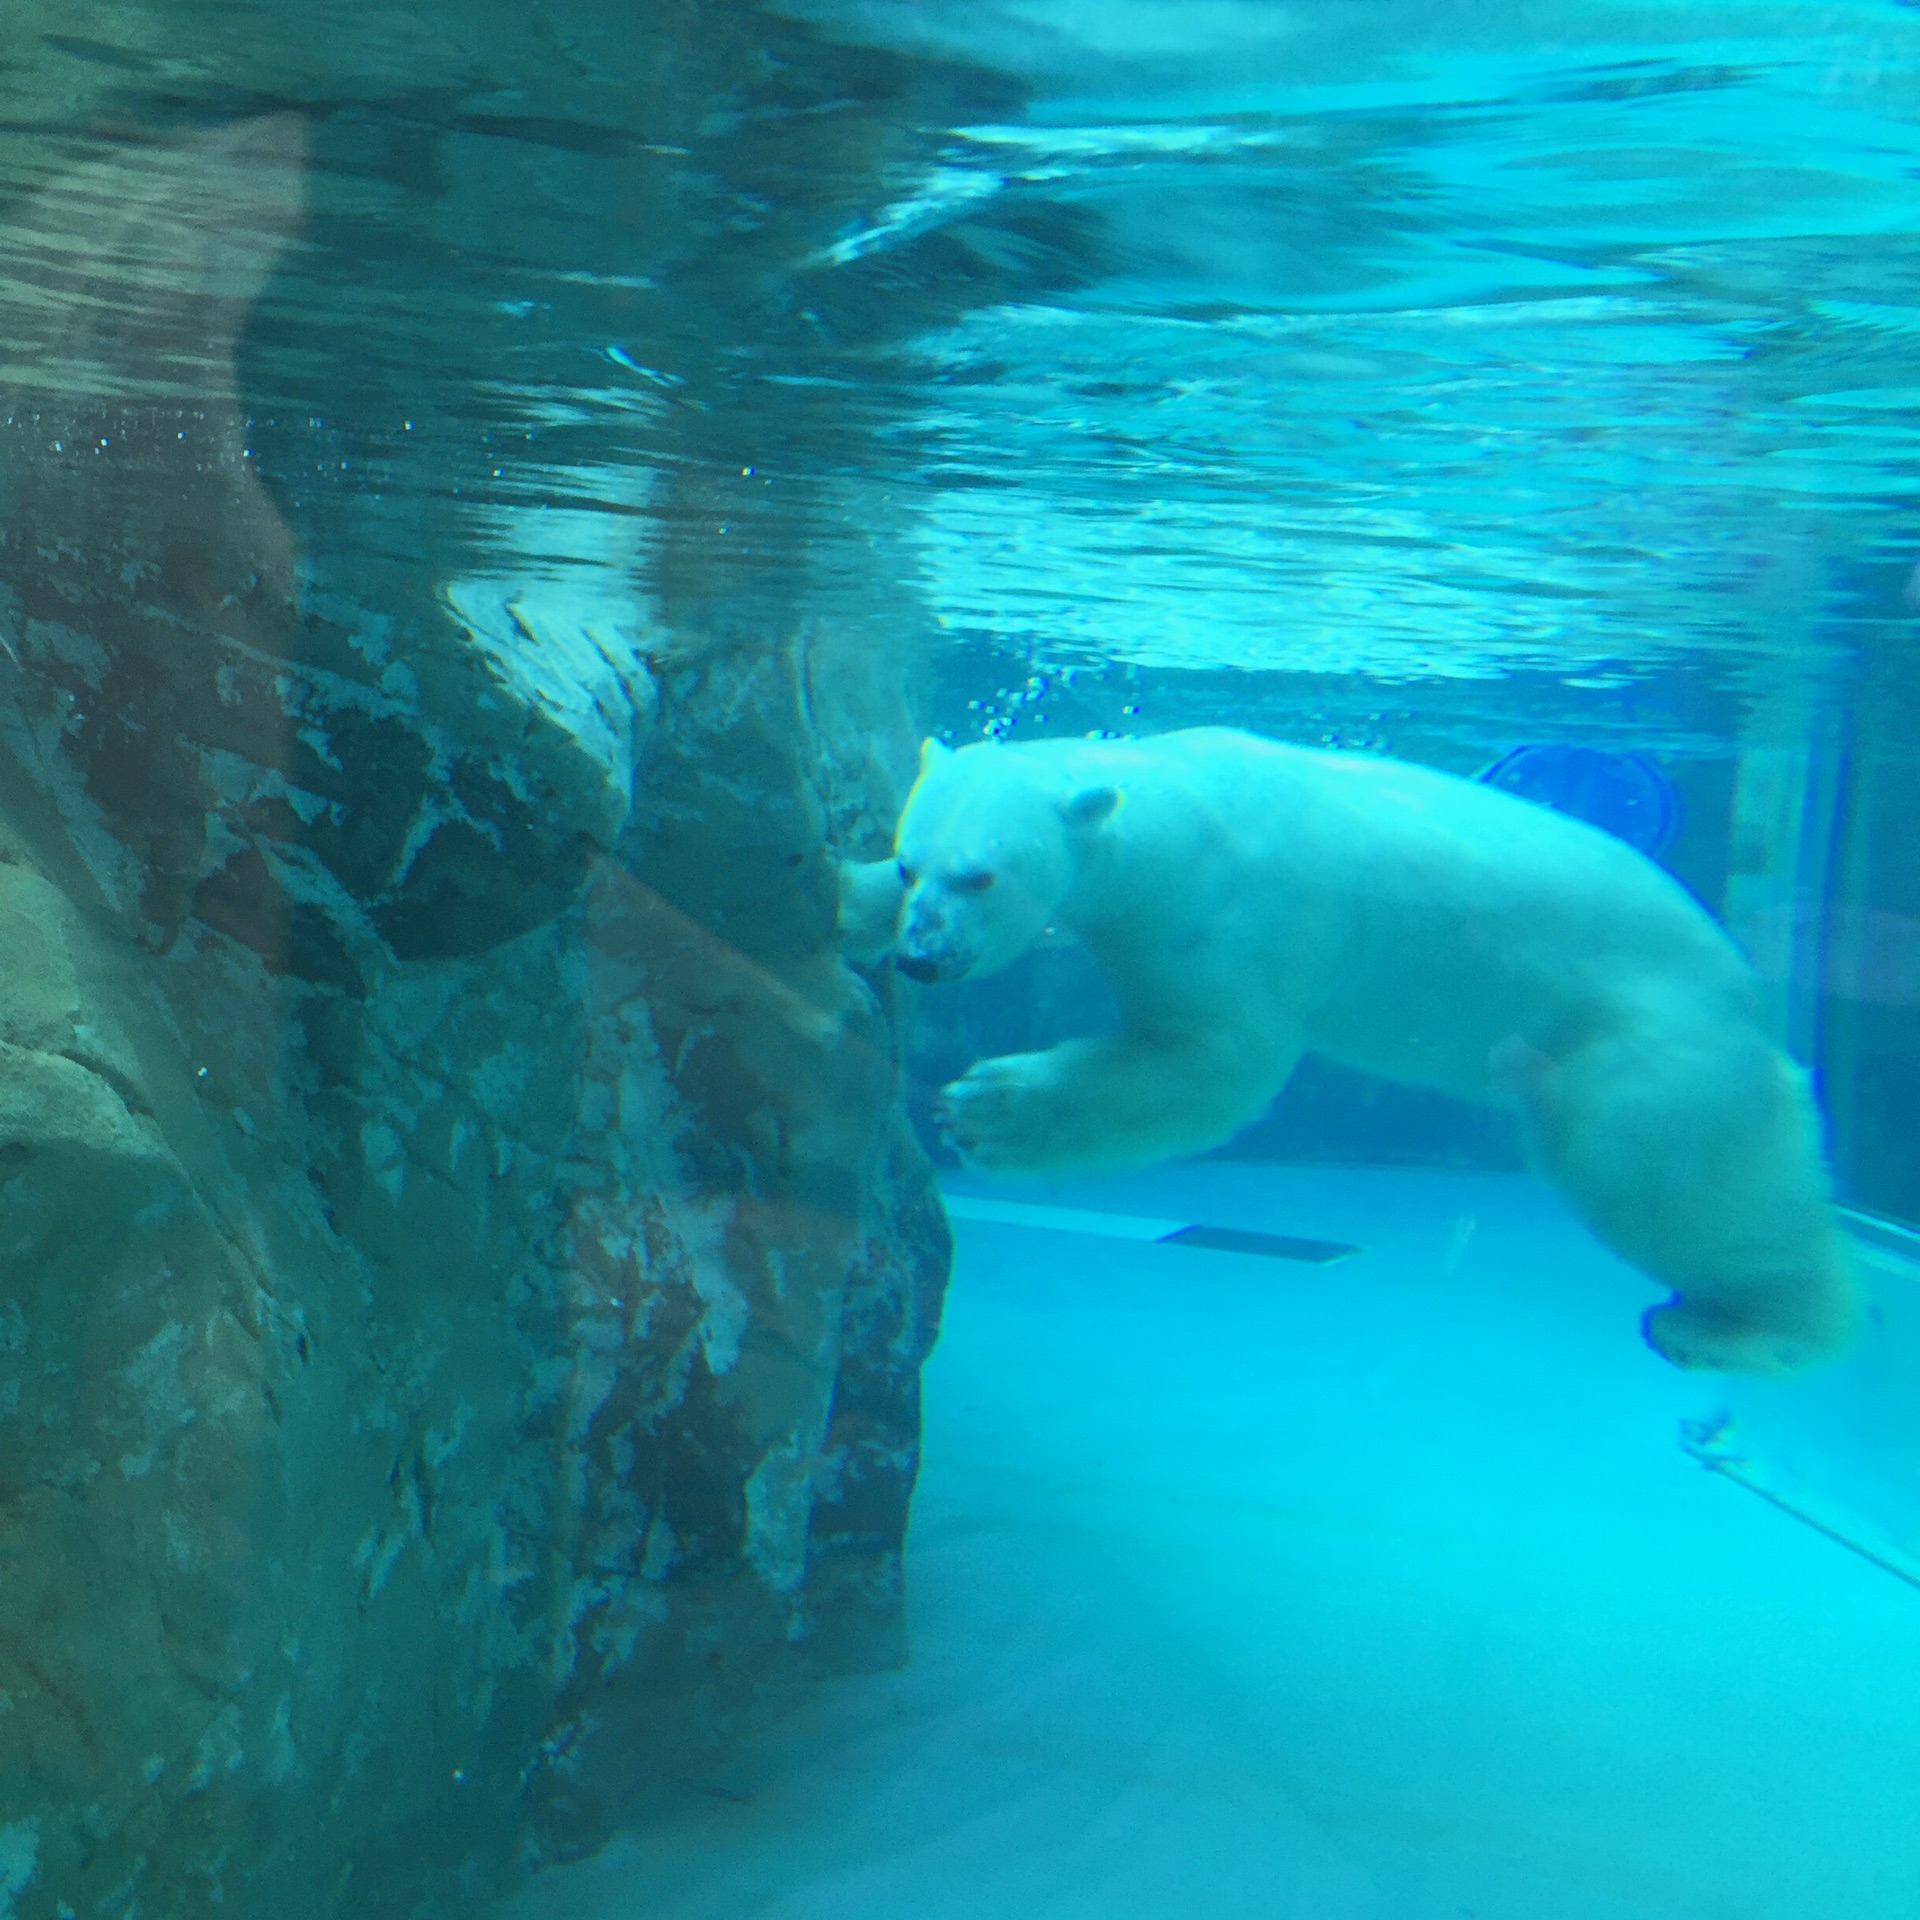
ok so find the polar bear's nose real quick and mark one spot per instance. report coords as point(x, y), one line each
point(917, 966)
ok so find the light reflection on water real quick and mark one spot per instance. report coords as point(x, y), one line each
point(1268, 346)
point(1577, 367)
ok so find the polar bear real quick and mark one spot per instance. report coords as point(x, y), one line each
point(1250, 901)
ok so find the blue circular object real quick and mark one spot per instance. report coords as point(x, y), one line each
point(1626, 795)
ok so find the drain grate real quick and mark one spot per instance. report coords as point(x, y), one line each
point(1134, 1226)
point(1271, 1246)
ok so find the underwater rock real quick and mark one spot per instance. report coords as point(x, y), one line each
point(464, 1272)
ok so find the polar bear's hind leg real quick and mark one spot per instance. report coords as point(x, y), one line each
point(1690, 1145)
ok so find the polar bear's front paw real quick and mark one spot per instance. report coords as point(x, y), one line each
point(1002, 1115)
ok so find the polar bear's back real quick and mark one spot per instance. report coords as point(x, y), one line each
point(1415, 836)
point(1451, 915)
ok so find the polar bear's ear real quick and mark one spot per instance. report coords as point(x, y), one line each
point(1089, 806)
point(931, 754)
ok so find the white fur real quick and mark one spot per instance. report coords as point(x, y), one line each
point(1250, 902)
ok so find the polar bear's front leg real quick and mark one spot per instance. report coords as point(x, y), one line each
point(1118, 1101)
point(871, 892)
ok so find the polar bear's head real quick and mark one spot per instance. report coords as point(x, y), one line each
point(988, 848)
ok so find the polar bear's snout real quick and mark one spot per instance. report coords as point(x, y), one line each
point(930, 948)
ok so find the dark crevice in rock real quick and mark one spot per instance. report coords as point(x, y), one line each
point(468, 888)
point(248, 903)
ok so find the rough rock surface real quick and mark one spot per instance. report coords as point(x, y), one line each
point(464, 1272)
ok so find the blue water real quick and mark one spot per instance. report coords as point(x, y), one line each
point(1373, 1592)
point(1522, 388)
point(1446, 380)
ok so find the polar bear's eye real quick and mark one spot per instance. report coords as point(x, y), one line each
point(974, 880)
point(906, 872)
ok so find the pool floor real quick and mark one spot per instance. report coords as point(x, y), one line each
point(1247, 1588)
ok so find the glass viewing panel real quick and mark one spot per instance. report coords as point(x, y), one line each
point(959, 956)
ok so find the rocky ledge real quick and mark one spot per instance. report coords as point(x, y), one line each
point(464, 1274)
